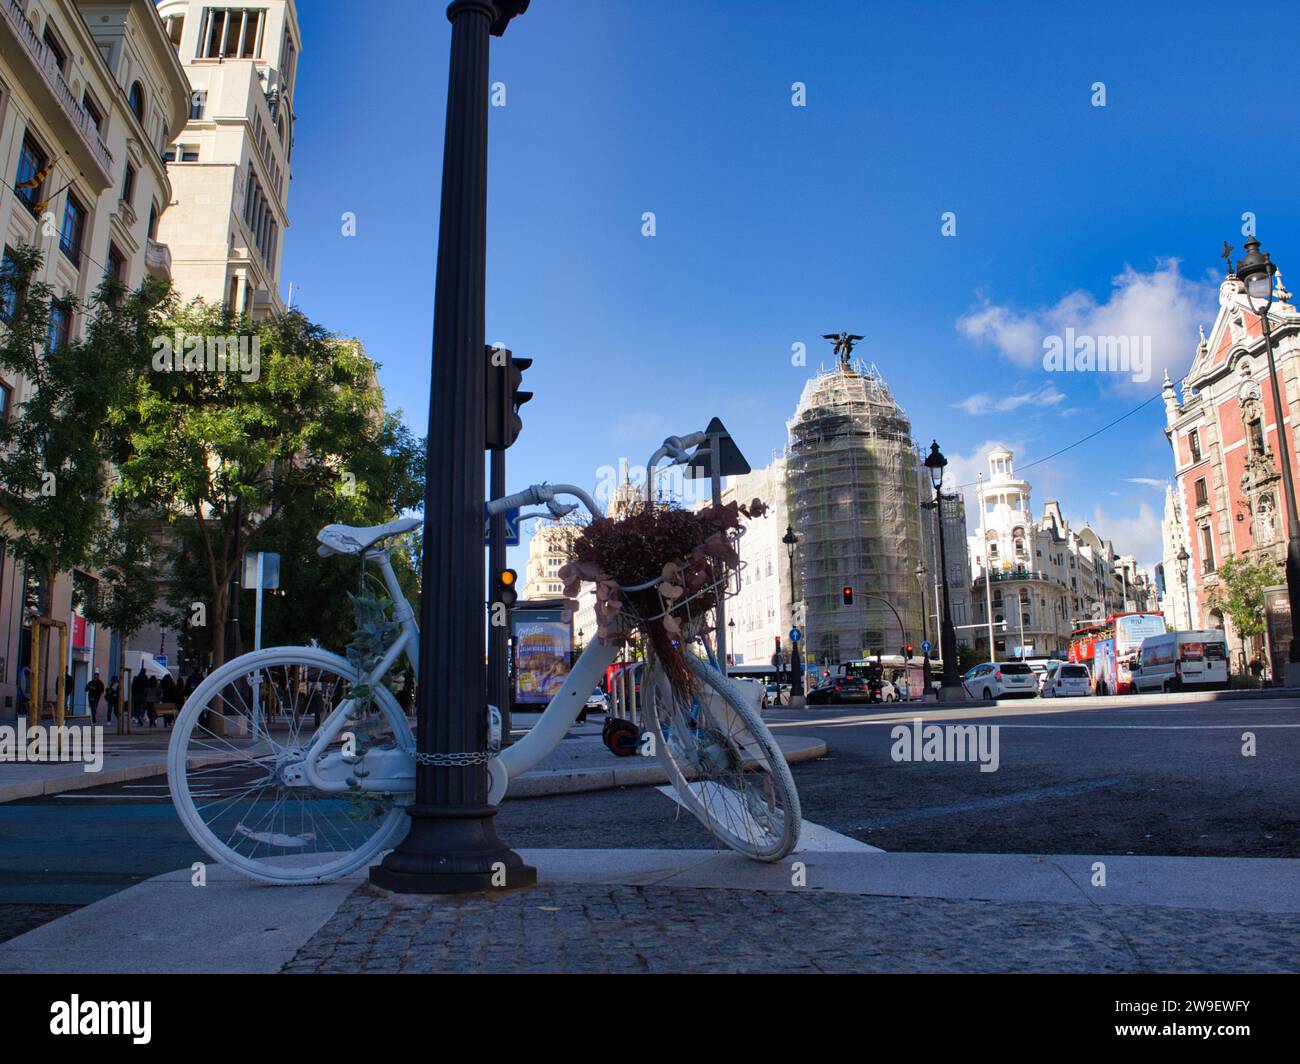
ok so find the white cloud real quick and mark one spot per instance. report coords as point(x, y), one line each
point(1163, 305)
point(988, 403)
point(1149, 482)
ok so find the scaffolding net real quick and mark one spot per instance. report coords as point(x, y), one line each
point(854, 490)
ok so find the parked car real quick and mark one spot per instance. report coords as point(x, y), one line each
point(598, 701)
point(1067, 680)
point(1001, 679)
point(1178, 661)
point(837, 690)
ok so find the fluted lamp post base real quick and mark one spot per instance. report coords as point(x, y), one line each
point(452, 850)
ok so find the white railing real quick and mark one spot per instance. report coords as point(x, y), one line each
point(49, 67)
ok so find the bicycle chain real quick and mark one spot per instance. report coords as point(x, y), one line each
point(464, 760)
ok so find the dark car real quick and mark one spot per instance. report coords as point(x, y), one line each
point(839, 690)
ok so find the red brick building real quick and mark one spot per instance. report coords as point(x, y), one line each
point(1228, 484)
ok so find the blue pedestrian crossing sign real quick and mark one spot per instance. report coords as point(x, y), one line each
point(512, 529)
point(795, 635)
point(925, 647)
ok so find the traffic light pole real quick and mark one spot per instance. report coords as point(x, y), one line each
point(452, 846)
point(498, 634)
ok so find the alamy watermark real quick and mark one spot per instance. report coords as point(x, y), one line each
point(83, 744)
point(1098, 354)
point(185, 353)
point(947, 742)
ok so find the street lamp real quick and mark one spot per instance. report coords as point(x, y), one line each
point(731, 641)
point(791, 541)
point(935, 462)
point(1183, 558)
point(1255, 272)
point(925, 612)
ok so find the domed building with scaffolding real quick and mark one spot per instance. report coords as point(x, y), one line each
point(855, 493)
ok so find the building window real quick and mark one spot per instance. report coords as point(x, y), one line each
point(153, 221)
point(74, 230)
point(60, 328)
point(1194, 443)
point(198, 104)
point(189, 153)
point(232, 33)
point(1202, 496)
point(6, 397)
point(8, 287)
point(175, 29)
point(116, 268)
point(96, 115)
point(1207, 549)
point(128, 186)
point(169, 156)
point(32, 164)
point(137, 101)
point(56, 49)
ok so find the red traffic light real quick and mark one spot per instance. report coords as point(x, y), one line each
point(848, 596)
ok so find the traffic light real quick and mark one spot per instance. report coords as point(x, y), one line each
point(848, 596)
point(505, 377)
point(506, 593)
point(906, 652)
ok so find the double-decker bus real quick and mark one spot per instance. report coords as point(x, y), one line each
point(1110, 647)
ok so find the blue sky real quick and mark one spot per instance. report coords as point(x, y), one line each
point(776, 223)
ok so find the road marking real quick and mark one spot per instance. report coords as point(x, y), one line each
point(813, 838)
point(978, 804)
point(121, 797)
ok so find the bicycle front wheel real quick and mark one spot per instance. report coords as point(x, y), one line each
point(725, 764)
point(235, 767)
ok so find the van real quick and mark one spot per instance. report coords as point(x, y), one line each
point(1181, 661)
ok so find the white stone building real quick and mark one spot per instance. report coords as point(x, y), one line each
point(231, 164)
point(761, 609)
point(1040, 580)
point(91, 92)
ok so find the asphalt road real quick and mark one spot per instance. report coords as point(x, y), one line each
point(1113, 777)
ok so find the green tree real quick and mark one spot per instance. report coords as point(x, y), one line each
point(54, 451)
point(1239, 594)
point(257, 456)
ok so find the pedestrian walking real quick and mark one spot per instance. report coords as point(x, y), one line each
point(152, 693)
point(137, 698)
point(113, 700)
point(94, 692)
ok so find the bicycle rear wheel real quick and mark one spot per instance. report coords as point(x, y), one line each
point(725, 764)
point(235, 768)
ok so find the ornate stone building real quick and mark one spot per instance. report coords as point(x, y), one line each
point(1228, 499)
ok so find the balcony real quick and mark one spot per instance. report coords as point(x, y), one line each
point(1020, 572)
point(158, 260)
point(11, 15)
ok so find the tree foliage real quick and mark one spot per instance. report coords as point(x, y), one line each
point(54, 450)
point(258, 456)
point(1239, 593)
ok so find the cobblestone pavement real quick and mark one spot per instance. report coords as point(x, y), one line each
point(617, 929)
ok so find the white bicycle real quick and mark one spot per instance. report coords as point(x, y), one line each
point(289, 766)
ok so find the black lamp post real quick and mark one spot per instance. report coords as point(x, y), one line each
point(1255, 272)
point(452, 846)
point(1183, 559)
point(791, 541)
point(936, 463)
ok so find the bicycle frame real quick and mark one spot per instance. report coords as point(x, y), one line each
point(331, 772)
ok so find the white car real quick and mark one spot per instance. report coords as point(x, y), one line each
point(1001, 679)
point(598, 701)
point(1067, 680)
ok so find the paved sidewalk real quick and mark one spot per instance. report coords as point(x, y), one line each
point(709, 911)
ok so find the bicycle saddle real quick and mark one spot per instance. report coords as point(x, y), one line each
point(343, 539)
